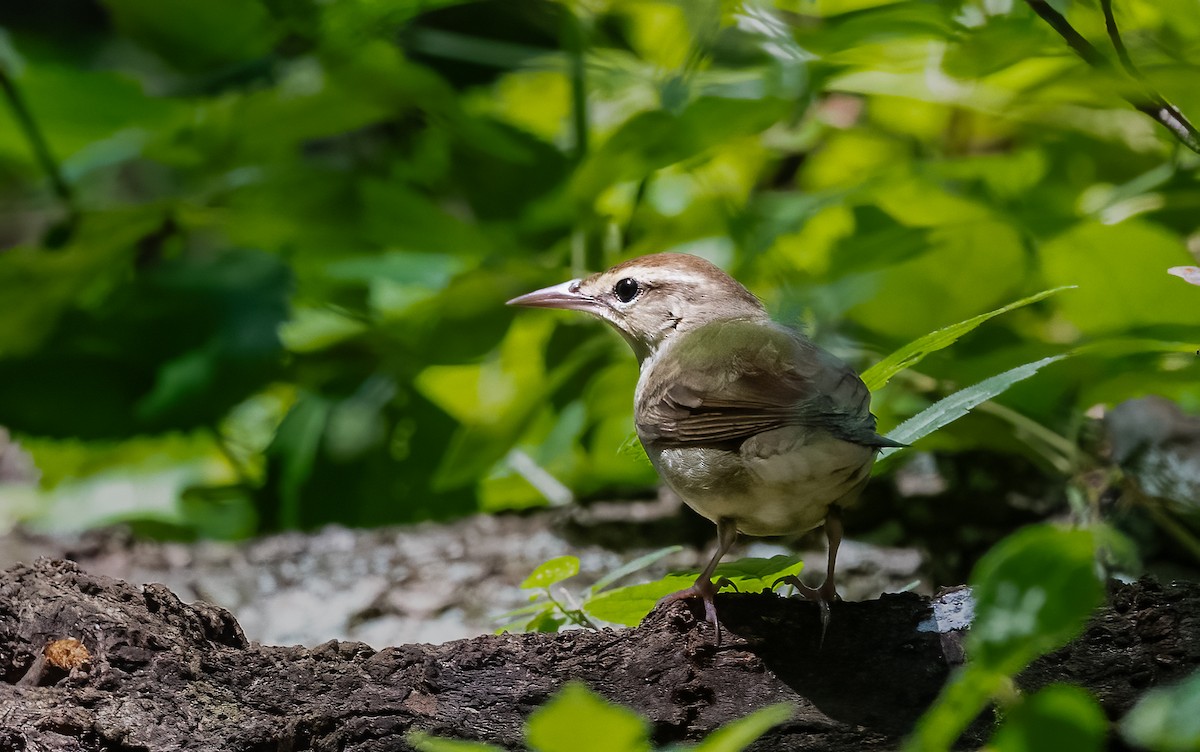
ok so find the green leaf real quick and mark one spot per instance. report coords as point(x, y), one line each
point(1165, 719)
point(955, 406)
point(426, 743)
point(1057, 717)
point(629, 605)
point(914, 352)
point(1138, 295)
point(579, 720)
point(754, 575)
point(1033, 592)
point(552, 571)
point(652, 140)
point(739, 734)
point(637, 564)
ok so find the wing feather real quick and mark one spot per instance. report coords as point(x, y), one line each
point(730, 380)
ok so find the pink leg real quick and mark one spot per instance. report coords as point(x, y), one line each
point(827, 592)
point(704, 587)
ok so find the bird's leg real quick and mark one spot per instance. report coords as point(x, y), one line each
point(704, 587)
point(827, 592)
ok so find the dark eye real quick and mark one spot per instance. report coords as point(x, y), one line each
point(626, 290)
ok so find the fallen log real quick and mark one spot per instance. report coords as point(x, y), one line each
point(93, 663)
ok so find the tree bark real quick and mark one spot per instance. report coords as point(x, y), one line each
point(158, 674)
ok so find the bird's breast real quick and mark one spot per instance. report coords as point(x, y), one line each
point(775, 483)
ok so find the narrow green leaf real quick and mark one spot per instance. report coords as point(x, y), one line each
point(914, 352)
point(549, 572)
point(960, 403)
point(1165, 719)
point(737, 735)
point(637, 564)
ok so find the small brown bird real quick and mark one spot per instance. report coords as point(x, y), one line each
point(753, 425)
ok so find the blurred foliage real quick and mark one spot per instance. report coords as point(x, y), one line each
point(256, 251)
point(1165, 719)
point(1033, 592)
point(577, 719)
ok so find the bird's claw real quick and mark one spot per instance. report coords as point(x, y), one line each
point(706, 591)
point(822, 596)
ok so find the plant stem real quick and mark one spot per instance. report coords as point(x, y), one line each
point(37, 142)
point(1151, 103)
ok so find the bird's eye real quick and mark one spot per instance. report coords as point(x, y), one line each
point(626, 289)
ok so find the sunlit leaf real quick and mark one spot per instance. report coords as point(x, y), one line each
point(879, 374)
point(552, 571)
point(629, 605)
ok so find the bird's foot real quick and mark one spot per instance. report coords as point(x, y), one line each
point(822, 596)
point(706, 590)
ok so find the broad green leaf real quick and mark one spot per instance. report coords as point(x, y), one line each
point(426, 743)
point(1165, 719)
point(739, 734)
point(971, 262)
point(630, 567)
point(629, 605)
point(549, 572)
point(914, 352)
point(1033, 592)
point(955, 406)
point(1055, 718)
point(1117, 294)
point(579, 720)
point(754, 575)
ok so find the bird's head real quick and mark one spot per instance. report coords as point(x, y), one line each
point(652, 298)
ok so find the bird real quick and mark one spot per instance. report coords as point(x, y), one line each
point(752, 424)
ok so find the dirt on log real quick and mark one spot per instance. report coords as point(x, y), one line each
point(92, 663)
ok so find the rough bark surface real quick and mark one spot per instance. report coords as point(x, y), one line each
point(163, 675)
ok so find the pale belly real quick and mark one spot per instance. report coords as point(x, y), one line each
point(777, 483)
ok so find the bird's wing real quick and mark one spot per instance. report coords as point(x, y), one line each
point(730, 380)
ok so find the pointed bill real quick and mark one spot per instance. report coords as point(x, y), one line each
point(566, 296)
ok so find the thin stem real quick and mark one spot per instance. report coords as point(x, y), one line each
point(1114, 36)
point(1151, 103)
point(574, 42)
point(37, 142)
